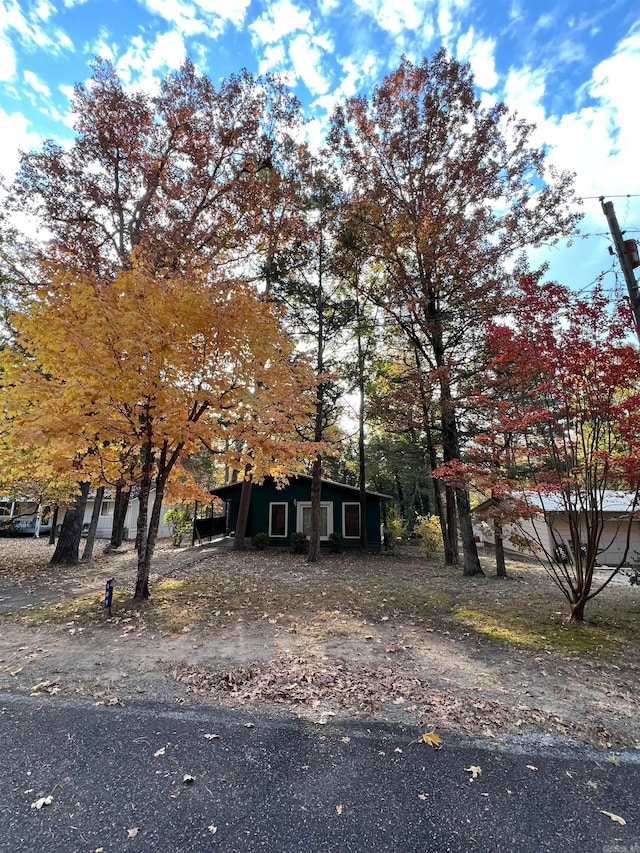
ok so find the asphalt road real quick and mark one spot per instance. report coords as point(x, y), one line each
point(116, 780)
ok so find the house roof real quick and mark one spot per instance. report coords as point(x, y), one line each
point(354, 489)
point(612, 501)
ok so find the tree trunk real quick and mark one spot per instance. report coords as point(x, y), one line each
point(472, 565)
point(362, 475)
point(54, 524)
point(444, 508)
point(501, 568)
point(142, 579)
point(451, 551)
point(362, 468)
point(577, 609)
point(71, 532)
point(120, 507)
point(147, 532)
point(451, 453)
point(316, 486)
point(243, 511)
point(93, 525)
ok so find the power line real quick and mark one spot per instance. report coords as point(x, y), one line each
point(623, 195)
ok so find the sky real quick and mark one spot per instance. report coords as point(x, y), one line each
point(572, 67)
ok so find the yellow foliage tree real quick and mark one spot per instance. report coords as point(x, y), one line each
point(160, 364)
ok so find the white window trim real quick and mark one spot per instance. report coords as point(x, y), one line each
point(329, 506)
point(344, 527)
point(286, 519)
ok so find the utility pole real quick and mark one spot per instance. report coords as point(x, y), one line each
point(627, 252)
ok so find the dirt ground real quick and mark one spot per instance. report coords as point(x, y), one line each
point(395, 637)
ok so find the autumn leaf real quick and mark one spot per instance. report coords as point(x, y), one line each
point(614, 817)
point(188, 779)
point(132, 832)
point(159, 752)
point(43, 801)
point(474, 770)
point(212, 829)
point(531, 767)
point(16, 671)
point(339, 808)
point(431, 738)
point(422, 796)
point(211, 737)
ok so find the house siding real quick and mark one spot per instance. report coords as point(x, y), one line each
point(612, 540)
point(299, 490)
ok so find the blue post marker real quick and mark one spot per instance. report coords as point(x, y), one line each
point(108, 595)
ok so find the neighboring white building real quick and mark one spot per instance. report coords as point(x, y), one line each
point(549, 527)
point(105, 521)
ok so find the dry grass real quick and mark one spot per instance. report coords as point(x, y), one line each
point(223, 587)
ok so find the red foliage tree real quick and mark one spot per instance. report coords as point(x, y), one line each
point(561, 434)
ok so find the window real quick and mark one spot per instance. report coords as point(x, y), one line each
point(278, 519)
point(303, 520)
point(351, 521)
point(106, 508)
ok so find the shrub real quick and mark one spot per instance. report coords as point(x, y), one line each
point(260, 541)
point(299, 543)
point(336, 543)
point(180, 520)
point(395, 529)
point(427, 529)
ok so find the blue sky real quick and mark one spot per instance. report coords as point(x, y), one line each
point(572, 67)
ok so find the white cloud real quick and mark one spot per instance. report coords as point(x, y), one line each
point(306, 56)
point(395, 16)
point(180, 14)
point(599, 140)
point(139, 64)
point(35, 83)
point(281, 19)
point(479, 53)
point(229, 10)
point(16, 136)
point(31, 26)
point(7, 60)
point(274, 58)
point(327, 6)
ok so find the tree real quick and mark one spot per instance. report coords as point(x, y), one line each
point(563, 382)
point(176, 180)
point(446, 191)
point(213, 357)
point(305, 285)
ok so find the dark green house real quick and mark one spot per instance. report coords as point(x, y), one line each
point(281, 511)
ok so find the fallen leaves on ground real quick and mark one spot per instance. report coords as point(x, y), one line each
point(475, 771)
point(212, 829)
point(308, 684)
point(159, 752)
point(339, 808)
point(188, 779)
point(300, 682)
point(131, 833)
point(41, 802)
point(51, 687)
point(432, 739)
point(614, 817)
